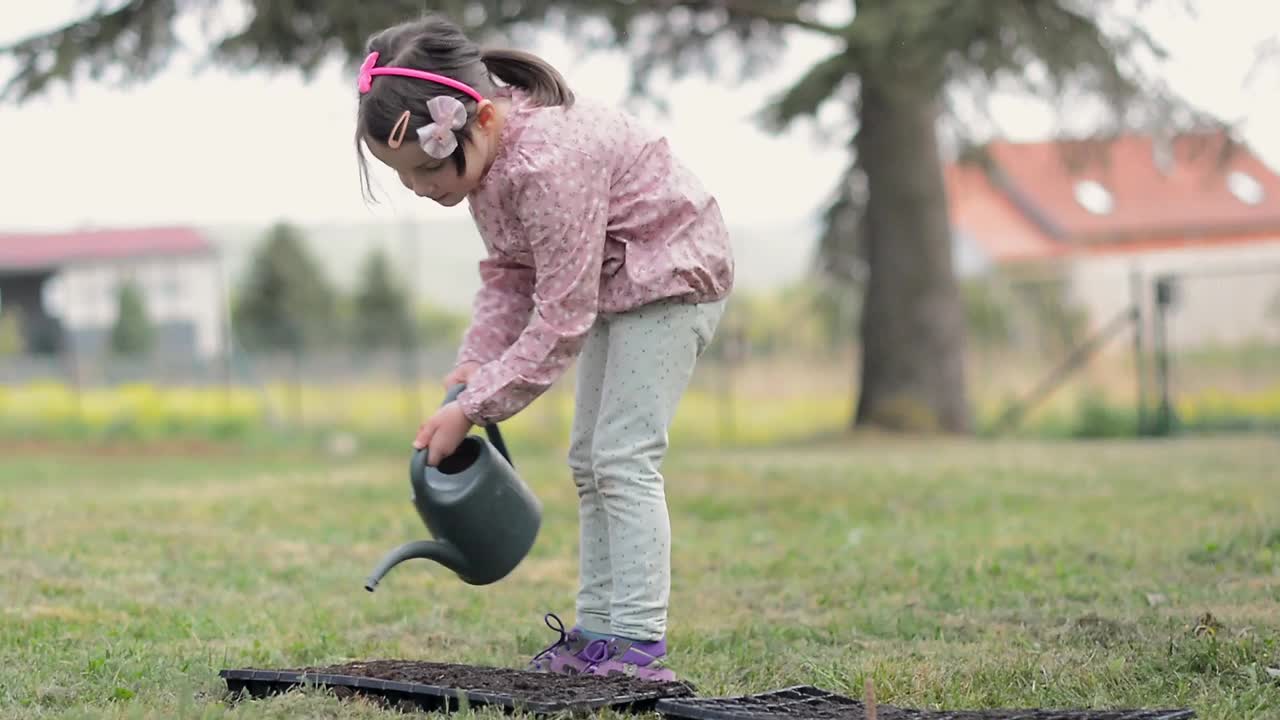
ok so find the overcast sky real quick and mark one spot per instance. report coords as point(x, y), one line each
point(220, 148)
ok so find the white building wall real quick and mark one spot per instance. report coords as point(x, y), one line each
point(183, 289)
point(1227, 297)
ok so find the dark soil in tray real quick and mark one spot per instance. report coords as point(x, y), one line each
point(433, 686)
point(811, 703)
point(505, 681)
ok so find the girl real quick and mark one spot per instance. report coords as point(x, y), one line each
point(601, 247)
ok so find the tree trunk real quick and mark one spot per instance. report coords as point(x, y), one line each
point(913, 332)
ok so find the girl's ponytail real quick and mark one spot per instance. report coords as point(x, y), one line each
point(531, 73)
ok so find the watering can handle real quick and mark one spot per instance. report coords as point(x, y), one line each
point(491, 430)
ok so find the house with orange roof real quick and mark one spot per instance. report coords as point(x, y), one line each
point(1197, 206)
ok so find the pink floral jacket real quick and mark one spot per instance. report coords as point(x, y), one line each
point(583, 212)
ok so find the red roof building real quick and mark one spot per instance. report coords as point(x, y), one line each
point(65, 286)
point(1196, 206)
point(1049, 200)
point(25, 252)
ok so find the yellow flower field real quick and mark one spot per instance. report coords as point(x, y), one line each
point(706, 417)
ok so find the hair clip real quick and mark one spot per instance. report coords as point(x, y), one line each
point(438, 139)
point(398, 131)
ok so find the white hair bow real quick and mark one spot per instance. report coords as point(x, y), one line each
point(437, 138)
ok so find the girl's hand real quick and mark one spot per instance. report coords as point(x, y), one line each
point(443, 433)
point(461, 374)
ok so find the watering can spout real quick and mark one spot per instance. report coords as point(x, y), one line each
point(440, 551)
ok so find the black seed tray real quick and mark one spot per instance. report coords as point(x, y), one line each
point(806, 702)
point(437, 698)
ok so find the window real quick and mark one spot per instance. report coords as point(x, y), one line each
point(1246, 189)
point(1093, 197)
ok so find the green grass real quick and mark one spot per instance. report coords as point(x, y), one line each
point(956, 575)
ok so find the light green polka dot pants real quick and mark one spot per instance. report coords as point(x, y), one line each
point(631, 373)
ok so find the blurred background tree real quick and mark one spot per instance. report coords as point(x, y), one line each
point(132, 335)
point(11, 342)
point(382, 317)
point(286, 303)
point(896, 69)
point(440, 327)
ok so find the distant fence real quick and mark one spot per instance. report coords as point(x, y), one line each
point(1228, 378)
point(1194, 350)
point(1037, 363)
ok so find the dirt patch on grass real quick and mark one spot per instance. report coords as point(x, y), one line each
point(1093, 629)
point(127, 449)
point(1207, 624)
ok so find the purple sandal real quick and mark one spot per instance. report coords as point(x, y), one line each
point(564, 655)
point(620, 656)
point(574, 654)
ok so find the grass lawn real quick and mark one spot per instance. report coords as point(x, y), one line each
point(956, 575)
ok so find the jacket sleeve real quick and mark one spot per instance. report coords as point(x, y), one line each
point(562, 202)
point(500, 310)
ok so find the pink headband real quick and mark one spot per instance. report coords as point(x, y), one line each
point(367, 70)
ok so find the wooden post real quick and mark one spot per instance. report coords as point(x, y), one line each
point(1165, 290)
point(1139, 357)
point(870, 688)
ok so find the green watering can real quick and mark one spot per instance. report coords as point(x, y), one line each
point(482, 517)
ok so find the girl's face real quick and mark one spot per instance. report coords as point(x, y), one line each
point(439, 179)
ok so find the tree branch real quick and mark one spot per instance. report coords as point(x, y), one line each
point(135, 38)
point(769, 11)
point(807, 95)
